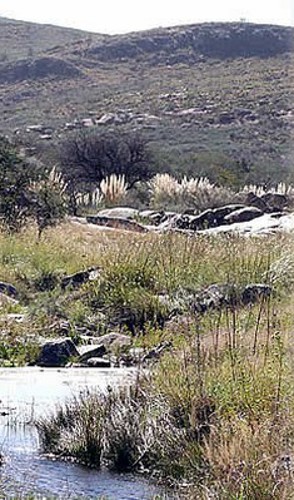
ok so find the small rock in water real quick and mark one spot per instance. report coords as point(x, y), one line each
point(98, 363)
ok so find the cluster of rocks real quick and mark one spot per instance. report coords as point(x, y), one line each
point(120, 117)
point(209, 114)
point(106, 351)
point(252, 206)
point(115, 349)
point(69, 345)
point(214, 297)
point(247, 207)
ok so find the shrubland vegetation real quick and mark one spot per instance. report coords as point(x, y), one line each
point(216, 413)
point(27, 192)
point(227, 118)
point(214, 416)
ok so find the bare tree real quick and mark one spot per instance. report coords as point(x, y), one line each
point(87, 158)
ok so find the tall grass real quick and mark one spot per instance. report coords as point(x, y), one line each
point(168, 192)
point(219, 420)
point(216, 413)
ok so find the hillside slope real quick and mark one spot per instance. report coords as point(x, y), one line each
point(205, 95)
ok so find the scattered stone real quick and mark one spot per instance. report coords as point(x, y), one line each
point(46, 137)
point(57, 352)
point(226, 118)
point(87, 122)
point(98, 363)
point(80, 278)
point(13, 318)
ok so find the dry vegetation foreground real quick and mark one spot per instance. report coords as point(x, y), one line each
point(216, 411)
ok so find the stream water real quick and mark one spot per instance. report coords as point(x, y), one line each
point(27, 393)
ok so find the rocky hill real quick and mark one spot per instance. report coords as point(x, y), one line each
point(207, 96)
point(189, 44)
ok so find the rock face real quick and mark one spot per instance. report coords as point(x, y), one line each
point(275, 201)
point(121, 212)
point(189, 44)
point(57, 352)
point(113, 340)
point(243, 215)
point(91, 351)
point(210, 218)
point(45, 67)
point(116, 223)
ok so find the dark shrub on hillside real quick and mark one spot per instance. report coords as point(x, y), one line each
point(87, 158)
point(26, 192)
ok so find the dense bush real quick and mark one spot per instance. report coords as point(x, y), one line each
point(26, 192)
point(16, 187)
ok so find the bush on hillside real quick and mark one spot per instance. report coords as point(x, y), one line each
point(26, 192)
point(88, 158)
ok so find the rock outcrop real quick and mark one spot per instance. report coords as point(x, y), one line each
point(116, 223)
point(37, 69)
point(57, 352)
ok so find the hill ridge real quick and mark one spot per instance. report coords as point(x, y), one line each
point(202, 94)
